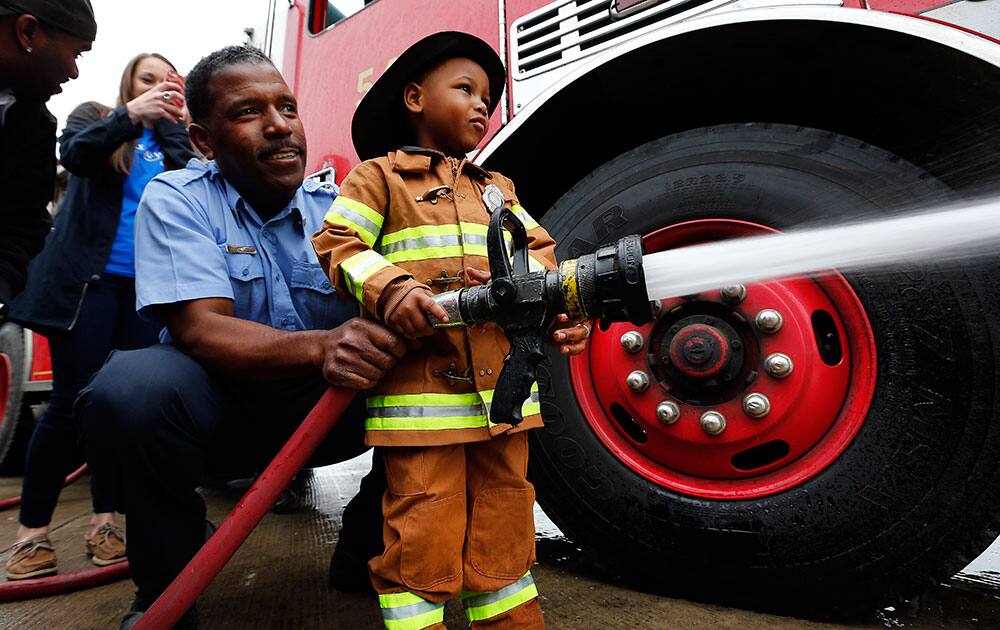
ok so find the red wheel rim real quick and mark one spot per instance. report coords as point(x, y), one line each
point(5, 381)
point(815, 411)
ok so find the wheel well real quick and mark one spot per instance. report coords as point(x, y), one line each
point(928, 103)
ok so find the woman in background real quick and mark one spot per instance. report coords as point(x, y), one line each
point(81, 293)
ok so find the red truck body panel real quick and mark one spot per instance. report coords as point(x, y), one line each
point(330, 70)
point(360, 48)
point(41, 360)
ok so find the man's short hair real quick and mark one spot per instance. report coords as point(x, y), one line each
point(197, 89)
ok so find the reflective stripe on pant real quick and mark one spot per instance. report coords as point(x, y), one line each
point(481, 606)
point(458, 520)
point(406, 611)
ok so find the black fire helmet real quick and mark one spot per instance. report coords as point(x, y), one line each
point(379, 125)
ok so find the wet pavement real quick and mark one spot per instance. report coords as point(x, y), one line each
point(278, 580)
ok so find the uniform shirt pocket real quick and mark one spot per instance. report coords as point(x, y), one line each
point(246, 273)
point(315, 298)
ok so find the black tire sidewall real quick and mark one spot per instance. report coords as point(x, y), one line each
point(882, 517)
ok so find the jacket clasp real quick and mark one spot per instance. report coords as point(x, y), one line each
point(454, 376)
point(435, 193)
point(444, 279)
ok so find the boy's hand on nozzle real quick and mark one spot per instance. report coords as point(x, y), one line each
point(570, 337)
point(410, 317)
point(476, 276)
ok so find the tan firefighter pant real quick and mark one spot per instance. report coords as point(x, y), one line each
point(458, 523)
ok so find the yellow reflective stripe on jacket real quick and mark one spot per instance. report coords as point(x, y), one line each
point(480, 606)
point(426, 253)
point(437, 412)
point(425, 412)
point(531, 406)
point(406, 611)
point(419, 231)
point(475, 244)
point(398, 400)
point(425, 242)
point(357, 216)
point(521, 213)
point(359, 268)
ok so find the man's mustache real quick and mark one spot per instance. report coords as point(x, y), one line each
point(275, 148)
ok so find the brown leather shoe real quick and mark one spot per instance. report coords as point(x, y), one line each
point(107, 546)
point(31, 558)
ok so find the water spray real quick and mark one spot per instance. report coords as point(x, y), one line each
point(617, 282)
point(940, 236)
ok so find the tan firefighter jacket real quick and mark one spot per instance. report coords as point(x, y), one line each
point(416, 218)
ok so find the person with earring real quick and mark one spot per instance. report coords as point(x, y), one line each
point(40, 41)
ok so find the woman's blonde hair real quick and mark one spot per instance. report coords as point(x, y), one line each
point(121, 159)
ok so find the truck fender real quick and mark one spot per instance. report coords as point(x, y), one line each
point(872, 75)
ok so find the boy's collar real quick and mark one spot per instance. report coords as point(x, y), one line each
point(412, 159)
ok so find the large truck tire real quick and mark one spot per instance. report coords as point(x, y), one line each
point(11, 384)
point(876, 472)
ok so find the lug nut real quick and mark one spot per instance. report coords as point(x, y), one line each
point(733, 293)
point(632, 341)
point(769, 321)
point(668, 412)
point(756, 405)
point(713, 422)
point(637, 381)
point(778, 365)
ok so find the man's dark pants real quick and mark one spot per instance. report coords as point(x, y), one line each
point(167, 421)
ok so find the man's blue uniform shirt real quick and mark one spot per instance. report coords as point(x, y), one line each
point(197, 238)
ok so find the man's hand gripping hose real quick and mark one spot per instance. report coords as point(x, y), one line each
point(607, 284)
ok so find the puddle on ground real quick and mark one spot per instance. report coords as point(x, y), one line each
point(971, 599)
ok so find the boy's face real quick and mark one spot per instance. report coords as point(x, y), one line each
point(450, 106)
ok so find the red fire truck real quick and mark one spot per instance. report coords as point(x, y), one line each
point(25, 379)
point(846, 446)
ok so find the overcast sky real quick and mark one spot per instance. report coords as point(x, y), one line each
point(182, 30)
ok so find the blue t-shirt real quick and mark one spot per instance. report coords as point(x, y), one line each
point(147, 163)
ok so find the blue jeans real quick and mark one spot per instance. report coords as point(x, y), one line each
point(107, 322)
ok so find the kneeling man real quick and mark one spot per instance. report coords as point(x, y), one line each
point(254, 331)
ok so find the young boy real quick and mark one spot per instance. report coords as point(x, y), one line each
point(411, 221)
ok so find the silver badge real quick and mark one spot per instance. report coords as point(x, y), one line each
point(493, 198)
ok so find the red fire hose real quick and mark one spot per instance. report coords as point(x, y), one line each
point(56, 585)
point(70, 478)
point(196, 576)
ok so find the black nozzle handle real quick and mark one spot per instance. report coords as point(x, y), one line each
point(517, 376)
point(496, 247)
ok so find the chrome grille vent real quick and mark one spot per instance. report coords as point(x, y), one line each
point(569, 29)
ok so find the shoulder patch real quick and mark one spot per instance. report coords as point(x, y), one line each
point(193, 171)
point(501, 182)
